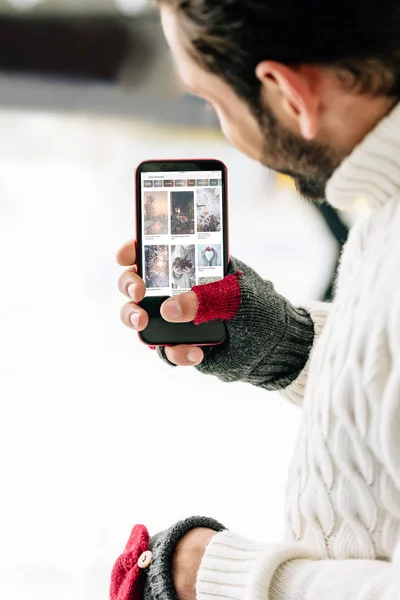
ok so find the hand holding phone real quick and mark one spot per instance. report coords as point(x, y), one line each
point(182, 242)
point(268, 341)
point(181, 255)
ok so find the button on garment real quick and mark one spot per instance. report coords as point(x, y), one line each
point(145, 559)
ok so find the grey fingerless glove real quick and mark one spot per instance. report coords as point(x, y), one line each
point(268, 339)
point(144, 570)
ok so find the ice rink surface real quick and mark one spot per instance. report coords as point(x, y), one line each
point(96, 434)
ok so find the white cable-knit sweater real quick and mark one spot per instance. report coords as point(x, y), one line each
point(343, 495)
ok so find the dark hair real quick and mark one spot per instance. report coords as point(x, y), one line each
point(359, 38)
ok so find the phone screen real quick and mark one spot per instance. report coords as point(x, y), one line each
point(182, 230)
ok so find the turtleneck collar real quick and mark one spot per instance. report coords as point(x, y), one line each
point(372, 171)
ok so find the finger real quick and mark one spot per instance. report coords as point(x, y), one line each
point(126, 256)
point(132, 285)
point(134, 317)
point(184, 356)
point(180, 309)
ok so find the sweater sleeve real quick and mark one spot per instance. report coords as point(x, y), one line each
point(235, 568)
point(319, 312)
point(268, 340)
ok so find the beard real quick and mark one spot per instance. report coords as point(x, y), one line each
point(310, 163)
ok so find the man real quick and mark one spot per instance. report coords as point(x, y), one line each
point(310, 90)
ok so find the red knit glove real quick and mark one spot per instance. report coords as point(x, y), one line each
point(219, 300)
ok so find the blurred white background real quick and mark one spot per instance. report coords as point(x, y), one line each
point(97, 434)
point(96, 7)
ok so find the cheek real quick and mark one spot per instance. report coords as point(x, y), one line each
point(243, 133)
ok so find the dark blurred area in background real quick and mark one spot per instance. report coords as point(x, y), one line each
point(92, 56)
point(77, 48)
point(57, 57)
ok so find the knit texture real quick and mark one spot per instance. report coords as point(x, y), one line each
point(158, 577)
point(343, 492)
point(236, 568)
point(126, 576)
point(319, 312)
point(218, 300)
point(268, 341)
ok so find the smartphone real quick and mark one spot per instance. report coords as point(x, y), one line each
point(182, 241)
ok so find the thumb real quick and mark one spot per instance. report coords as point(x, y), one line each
point(180, 309)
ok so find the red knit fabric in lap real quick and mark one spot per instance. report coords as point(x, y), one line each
point(218, 300)
point(126, 577)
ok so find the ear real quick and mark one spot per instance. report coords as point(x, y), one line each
point(298, 99)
